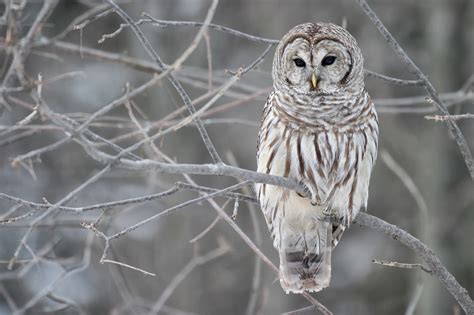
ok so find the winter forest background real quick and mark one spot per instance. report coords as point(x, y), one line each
point(78, 89)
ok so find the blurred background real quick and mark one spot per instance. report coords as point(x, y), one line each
point(420, 181)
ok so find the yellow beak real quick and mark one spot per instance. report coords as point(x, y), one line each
point(314, 80)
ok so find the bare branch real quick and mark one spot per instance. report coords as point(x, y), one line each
point(25, 44)
point(193, 263)
point(198, 169)
point(119, 142)
point(220, 28)
point(206, 230)
point(84, 19)
point(128, 266)
point(424, 252)
point(300, 310)
point(84, 263)
point(446, 118)
point(50, 210)
point(184, 96)
point(376, 75)
point(414, 300)
point(453, 127)
point(409, 184)
point(390, 263)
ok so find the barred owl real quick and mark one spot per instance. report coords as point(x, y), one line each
point(319, 127)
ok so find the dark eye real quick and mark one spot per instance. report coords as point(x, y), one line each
point(300, 62)
point(328, 60)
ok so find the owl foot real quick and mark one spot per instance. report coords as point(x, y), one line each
point(309, 193)
point(328, 213)
point(306, 192)
point(316, 202)
point(331, 217)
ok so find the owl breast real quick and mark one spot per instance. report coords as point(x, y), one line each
point(334, 162)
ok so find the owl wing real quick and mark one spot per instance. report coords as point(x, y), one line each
point(263, 128)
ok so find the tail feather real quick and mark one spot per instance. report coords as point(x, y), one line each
point(305, 260)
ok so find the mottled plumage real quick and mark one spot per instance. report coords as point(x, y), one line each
point(319, 126)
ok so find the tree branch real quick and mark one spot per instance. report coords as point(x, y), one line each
point(412, 67)
point(424, 252)
point(178, 87)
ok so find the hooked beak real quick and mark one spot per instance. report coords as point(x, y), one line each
point(314, 80)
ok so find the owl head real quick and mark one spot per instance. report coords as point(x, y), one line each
point(318, 59)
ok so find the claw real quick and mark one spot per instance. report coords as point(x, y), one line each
point(316, 201)
point(307, 191)
point(329, 215)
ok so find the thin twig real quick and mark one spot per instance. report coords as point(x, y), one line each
point(438, 103)
point(25, 44)
point(77, 210)
point(174, 208)
point(184, 96)
point(390, 263)
point(446, 118)
point(207, 40)
point(192, 264)
point(84, 19)
point(65, 303)
point(198, 169)
point(236, 209)
point(376, 75)
point(82, 265)
point(127, 266)
point(424, 252)
point(410, 185)
point(257, 272)
point(205, 231)
point(414, 300)
point(300, 310)
point(210, 226)
point(51, 209)
point(8, 298)
point(164, 23)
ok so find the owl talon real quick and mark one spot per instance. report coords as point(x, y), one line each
point(306, 192)
point(330, 217)
point(328, 213)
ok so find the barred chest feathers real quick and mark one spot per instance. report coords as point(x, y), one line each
point(333, 160)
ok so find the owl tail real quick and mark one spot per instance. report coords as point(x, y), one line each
point(305, 258)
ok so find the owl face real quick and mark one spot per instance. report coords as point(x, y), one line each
point(317, 59)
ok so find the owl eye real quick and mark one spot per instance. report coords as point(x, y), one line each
point(328, 60)
point(300, 62)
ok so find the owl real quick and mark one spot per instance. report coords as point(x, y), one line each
point(319, 127)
